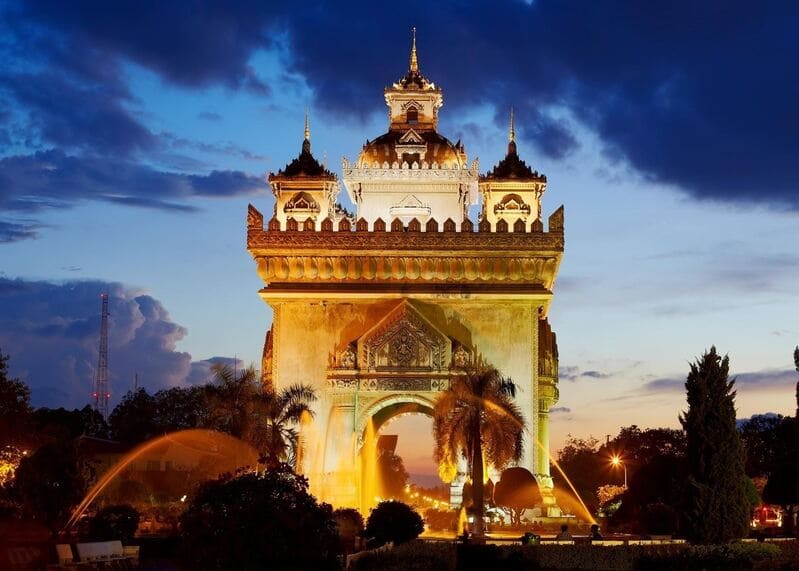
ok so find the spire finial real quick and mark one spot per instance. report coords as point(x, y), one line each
point(414, 59)
point(512, 134)
point(307, 126)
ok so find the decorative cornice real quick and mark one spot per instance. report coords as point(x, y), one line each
point(406, 255)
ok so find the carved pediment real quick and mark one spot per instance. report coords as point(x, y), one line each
point(404, 340)
point(411, 137)
point(301, 202)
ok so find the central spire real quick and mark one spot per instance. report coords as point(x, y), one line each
point(512, 134)
point(306, 143)
point(414, 60)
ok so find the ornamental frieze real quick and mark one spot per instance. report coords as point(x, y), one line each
point(380, 267)
point(388, 384)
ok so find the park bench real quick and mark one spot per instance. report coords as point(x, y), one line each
point(106, 555)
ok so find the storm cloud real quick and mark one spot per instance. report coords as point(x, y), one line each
point(51, 332)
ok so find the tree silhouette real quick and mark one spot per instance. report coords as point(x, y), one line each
point(716, 509)
point(478, 418)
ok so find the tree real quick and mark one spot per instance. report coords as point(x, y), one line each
point(517, 491)
point(15, 408)
point(715, 509)
point(766, 438)
point(265, 418)
point(133, 419)
point(50, 483)
point(266, 521)
point(392, 472)
point(349, 524)
point(782, 488)
point(393, 521)
point(114, 522)
point(61, 425)
point(588, 469)
point(478, 418)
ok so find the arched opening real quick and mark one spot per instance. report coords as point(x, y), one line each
point(413, 115)
point(396, 457)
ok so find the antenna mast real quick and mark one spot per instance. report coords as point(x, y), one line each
point(101, 392)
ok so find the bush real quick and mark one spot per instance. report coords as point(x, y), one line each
point(267, 521)
point(673, 557)
point(733, 556)
point(114, 522)
point(659, 519)
point(411, 556)
point(349, 524)
point(393, 521)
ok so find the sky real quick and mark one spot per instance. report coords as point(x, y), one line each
point(134, 134)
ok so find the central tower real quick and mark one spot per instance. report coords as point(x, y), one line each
point(412, 171)
point(379, 310)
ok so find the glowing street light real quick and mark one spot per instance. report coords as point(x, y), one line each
point(616, 461)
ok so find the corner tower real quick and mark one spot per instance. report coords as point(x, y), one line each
point(305, 191)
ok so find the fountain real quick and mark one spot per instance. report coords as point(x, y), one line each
point(218, 454)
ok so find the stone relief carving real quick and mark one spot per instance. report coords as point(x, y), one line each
point(461, 357)
point(347, 358)
point(404, 340)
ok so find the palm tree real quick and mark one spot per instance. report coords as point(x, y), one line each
point(478, 418)
point(265, 418)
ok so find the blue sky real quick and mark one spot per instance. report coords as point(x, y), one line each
point(133, 135)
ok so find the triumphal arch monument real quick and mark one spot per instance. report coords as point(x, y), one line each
point(378, 309)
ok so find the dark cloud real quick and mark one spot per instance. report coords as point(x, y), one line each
point(51, 331)
point(698, 95)
point(201, 371)
point(196, 44)
point(16, 231)
point(560, 410)
point(573, 374)
point(768, 379)
point(209, 116)
point(48, 179)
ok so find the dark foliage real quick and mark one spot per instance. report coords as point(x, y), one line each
point(588, 463)
point(393, 475)
point(659, 519)
point(349, 524)
point(767, 441)
point(61, 425)
point(250, 522)
point(114, 522)
point(517, 490)
point(394, 522)
point(15, 409)
point(133, 419)
point(661, 481)
point(715, 507)
point(140, 416)
point(50, 483)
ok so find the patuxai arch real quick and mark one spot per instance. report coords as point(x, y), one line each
point(379, 309)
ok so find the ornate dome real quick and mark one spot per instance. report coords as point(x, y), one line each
point(411, 146)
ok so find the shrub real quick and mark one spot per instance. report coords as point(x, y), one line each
point(659, 519)
point(267, 521)
point(734, 556)
point(411, 556)
point(393, 521)
point(349, 524)
point(114, 522)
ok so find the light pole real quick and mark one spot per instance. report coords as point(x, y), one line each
point(616, 461)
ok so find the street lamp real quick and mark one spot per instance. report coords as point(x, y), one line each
point(616, 461)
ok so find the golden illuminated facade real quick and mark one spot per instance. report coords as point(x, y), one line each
point(377, 310)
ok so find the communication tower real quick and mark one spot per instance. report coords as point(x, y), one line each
point(101, 393)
